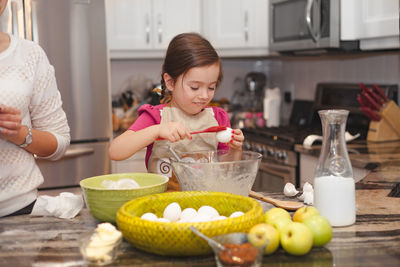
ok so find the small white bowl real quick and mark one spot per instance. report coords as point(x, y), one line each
point(99, 254)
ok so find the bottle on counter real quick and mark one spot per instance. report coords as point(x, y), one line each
point(272, 106)
point(334, 185)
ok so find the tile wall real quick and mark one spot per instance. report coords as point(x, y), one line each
point(298, 75)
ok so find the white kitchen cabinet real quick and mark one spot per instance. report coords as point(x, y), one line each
point(144, 28)
point(374, 23)
point(136, 163)
point(236, 27)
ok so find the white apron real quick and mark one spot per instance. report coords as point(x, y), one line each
point(159, 159)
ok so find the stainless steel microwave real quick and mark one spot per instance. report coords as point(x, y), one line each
point(306, 25)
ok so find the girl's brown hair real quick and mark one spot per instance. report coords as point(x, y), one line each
point(186, 51)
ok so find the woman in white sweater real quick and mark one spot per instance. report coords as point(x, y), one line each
point(32, 121)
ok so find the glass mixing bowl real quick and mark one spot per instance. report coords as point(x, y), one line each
point(229, 171)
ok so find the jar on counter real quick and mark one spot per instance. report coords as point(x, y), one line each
point(259, 119)
point(249, 120)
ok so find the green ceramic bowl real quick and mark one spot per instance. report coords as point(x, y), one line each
point(103, 203)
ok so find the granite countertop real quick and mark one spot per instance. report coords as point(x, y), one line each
point(374, 240)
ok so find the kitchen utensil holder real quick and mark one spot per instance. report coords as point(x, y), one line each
point(388, 128)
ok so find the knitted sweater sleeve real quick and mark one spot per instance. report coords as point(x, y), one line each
point(46, 105)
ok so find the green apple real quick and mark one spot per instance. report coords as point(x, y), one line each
point(296, 239)
point(321, 229)
point(279, 222)
point(301, 214)
point(274, 213)
point(261, 234)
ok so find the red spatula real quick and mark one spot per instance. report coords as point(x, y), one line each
point(211, 129)
point(208, 130)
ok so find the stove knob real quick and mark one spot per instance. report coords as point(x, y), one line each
point(260, 149)
point(284, 155)
point(270, 151)
point(247, 146)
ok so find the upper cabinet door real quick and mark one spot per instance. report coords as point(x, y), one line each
point(380, 18)
point(236, 24)
point(172, 17)
point(129, 24)
point(144, 28)
point(374, 23)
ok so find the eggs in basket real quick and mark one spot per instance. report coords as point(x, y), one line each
point(176, 238)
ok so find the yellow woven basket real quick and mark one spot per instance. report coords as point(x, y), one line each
point(176, 238)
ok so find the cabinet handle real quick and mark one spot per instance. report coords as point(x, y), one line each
point(34, 22)
point(314, 36)
point(31, 21)
point(159, 28)
point(246, 26)
point(14, 18)
point(147, 29)
point(77, 152)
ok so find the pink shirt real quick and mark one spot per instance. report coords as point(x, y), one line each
point(150, 115)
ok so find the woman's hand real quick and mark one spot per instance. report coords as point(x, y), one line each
point(10, 122)
point(173, 131)
point(237, 139)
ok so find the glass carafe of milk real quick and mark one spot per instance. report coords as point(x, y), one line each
point(334, 186)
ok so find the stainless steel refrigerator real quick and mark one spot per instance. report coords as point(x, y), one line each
point(73, 35)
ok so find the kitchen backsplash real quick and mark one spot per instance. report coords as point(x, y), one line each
point(297, 75)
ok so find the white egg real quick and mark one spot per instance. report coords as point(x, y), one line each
point(172, 212)
point(290, 190)
point(236, 214)
point(127, 184)
point(149, 216)
point(209, 211)
point(224, 136)
point(202, 217)
point(307, 187)
point(188, 215)
point(162, 220)
point(221, 217)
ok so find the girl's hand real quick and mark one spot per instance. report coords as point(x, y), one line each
point(10, 122)
point(173, 131)
point(237, 139)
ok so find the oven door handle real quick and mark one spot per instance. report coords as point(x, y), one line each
point(314, 36)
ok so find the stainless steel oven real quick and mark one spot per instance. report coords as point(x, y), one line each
point(273, 176)
point(280, 162)
point(304, 25)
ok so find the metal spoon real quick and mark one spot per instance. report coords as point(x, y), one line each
point(210, 241)
point(214, 243)
point(174, 154)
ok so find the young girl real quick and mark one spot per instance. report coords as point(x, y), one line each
point(190, 75)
